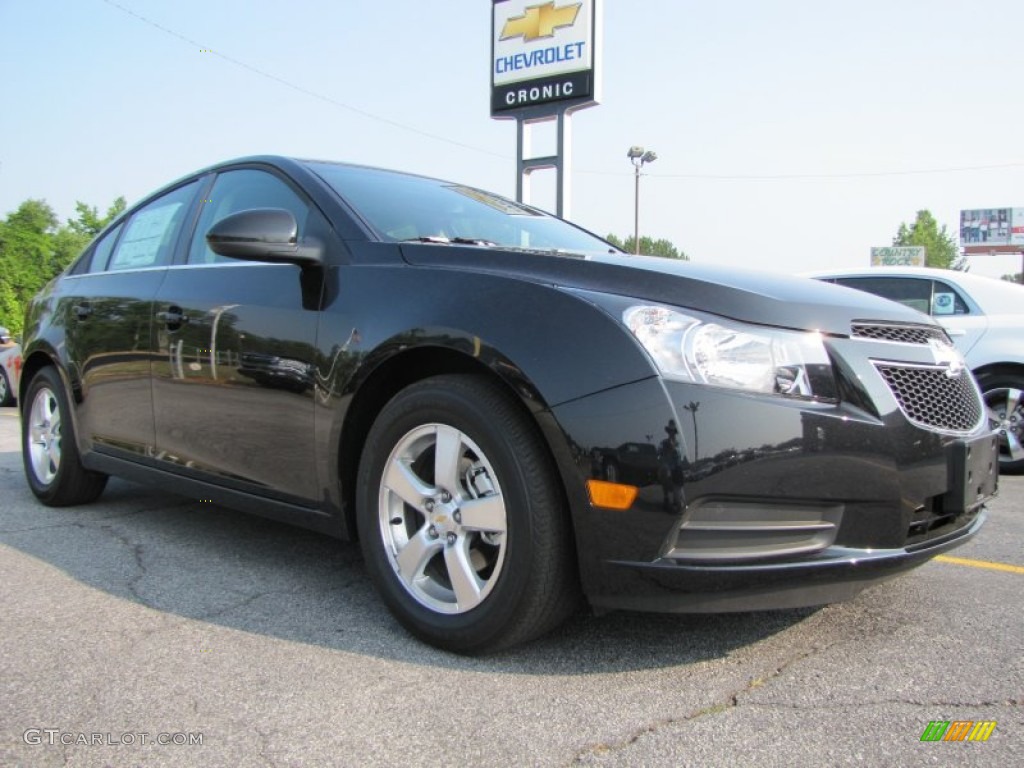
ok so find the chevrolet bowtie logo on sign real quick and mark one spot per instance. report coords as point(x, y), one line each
point(540, 21)
point(543, 53)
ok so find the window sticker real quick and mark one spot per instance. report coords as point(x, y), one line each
point(944, 304)
point(499, 204)
point(142, 240)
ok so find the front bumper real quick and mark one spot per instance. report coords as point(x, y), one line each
point(832, 575)
point(770, 503)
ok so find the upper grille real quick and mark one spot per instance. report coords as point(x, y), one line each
point(906, 334)
point(930, 398)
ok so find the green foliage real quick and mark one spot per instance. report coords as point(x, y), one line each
point(89, 223)
point(35, 248)
point(1017, 278)
point(10, 308)
point(26, 258)
point(648, 247)
point(941, 249)
point(66, 245)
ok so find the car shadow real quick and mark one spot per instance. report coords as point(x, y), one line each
point(212, 564)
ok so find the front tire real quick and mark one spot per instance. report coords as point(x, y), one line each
point(52, 465)
point(461, 519)
point(1004, 398)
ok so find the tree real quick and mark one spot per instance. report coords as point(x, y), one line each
point(941, 248)
point(89, 222)
point(71, 239)
point(26, 258)
point(648, 247)
point(10, 308)
point(66, 244)
point(34, 248)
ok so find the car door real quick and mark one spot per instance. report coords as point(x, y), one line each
point(233, 389)
point(107, 312)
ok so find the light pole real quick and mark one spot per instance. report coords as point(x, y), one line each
point(692, 408)
point(216, 312)
point(638, 156)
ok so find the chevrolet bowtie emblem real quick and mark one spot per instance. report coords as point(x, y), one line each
point(540, 21)
point(946, 354)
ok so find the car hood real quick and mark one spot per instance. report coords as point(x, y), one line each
point(751, 296)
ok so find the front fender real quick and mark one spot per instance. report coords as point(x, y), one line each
point(393, 325)
point(559, 343)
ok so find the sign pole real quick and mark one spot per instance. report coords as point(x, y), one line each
point(564, 170)
point(545, 65)
point(561, 161)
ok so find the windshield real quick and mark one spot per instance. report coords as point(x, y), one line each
point(400, 207)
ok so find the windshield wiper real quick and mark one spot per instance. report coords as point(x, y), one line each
point(447, 240)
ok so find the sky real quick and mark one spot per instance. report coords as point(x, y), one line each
point(791, 135)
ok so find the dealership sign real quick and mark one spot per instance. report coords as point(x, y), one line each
point(898, 256)
point(543, 53)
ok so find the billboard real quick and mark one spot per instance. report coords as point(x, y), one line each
point(543, 53)
point(992, 230)
point(898, 256)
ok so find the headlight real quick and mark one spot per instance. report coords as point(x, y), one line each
point(724, 353)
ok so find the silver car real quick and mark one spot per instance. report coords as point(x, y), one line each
point(10, 368)
point(985, 319)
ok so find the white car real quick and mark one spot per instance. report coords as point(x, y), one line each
point(10, 368)
point(985, 319)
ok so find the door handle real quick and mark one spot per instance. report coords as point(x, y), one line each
point(172, 316)
point(82, 311)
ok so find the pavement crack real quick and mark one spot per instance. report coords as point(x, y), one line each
point(138, 551)
point(731, 701)
point(264, 740)
point(931, 704)
point(603, 749)
point(248, 600)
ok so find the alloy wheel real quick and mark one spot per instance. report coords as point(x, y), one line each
point(1006, 414)
point(443, 519)
point(44, 443)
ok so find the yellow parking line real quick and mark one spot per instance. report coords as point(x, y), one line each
point(981, 564)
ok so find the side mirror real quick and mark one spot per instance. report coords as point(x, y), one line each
point(262, 234)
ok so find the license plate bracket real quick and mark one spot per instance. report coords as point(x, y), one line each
point(973, 473)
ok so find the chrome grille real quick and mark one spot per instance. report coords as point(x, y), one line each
point(904, 334)
point(930, 398)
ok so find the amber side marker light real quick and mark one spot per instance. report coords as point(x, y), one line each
point(611, 495)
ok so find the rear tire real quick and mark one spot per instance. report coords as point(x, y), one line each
point(461, 518)
point(1003, 394)
point(6, 393)
point(52, 465)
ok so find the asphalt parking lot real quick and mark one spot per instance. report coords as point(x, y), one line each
point(150, 618)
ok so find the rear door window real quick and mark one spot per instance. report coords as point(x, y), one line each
point(96, 259)
point(933, 297)
point(913, 292)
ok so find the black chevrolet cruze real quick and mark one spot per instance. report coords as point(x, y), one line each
point(505, 411)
